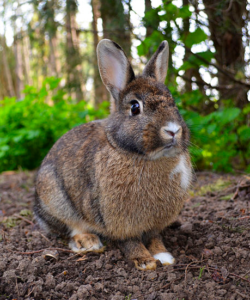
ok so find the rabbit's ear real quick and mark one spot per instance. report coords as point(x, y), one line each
point(115, 69)
point(157, 66)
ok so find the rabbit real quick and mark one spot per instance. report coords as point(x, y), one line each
point(126, 177)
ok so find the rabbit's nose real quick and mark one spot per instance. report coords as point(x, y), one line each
point(172, 129)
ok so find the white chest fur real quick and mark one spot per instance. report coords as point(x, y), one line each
point(184, 170)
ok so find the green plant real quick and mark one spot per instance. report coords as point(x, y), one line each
point(220, 132)
point(30, 127)
point(201, 272)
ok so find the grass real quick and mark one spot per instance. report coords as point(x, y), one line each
point(219, 185)
point(201, 272)
point(234, 229)
point(9, 222)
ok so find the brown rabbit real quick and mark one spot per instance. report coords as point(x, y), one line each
point(125, 177)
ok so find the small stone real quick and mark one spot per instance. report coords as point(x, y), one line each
point(152, 276)
point(9, 275)
point(224, 272)
point(166, 296)
point(23, 265)
point(82, 292)
point(50, 281)
point(136, 288)
point(31, 278)
point(98, 264)
point(209, 245)
point(89, 279)
point(60, 286)
point(88, 287)
point(152, 296)
point(73, 297)
point(121, 272)
point(221, 292)
point(2, 265)
point(187, 227)
point(217, 251)
point(171, 276)
point(108, 266)
point(210, 285)
point(98, 286)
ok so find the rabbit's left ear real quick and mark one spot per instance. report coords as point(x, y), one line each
point(157, 66)
point(115, 69)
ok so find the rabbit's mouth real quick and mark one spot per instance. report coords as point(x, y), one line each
point(168, 150)
point(168, 146)
point(171, 144)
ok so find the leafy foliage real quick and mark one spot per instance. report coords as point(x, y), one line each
point(220, 133)
point(30, 127)
point(194, 38)
point(220, 139)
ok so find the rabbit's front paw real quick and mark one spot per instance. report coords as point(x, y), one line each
point(86, 243)
point(165, 258)
point(145, 263)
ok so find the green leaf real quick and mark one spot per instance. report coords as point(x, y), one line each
point(31, 134)
point(227, 197)
point(184, 12)
point(150, 43)
point(244, 133)
point(211, 128)
point(228, 115)
point(53, 82)
point(197, 60)
point(25, 212)
point(246, 109)
point(194, 38)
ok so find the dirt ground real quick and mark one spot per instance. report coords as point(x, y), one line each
point(210, 241)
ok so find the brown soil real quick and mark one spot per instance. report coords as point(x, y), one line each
point(211, 243)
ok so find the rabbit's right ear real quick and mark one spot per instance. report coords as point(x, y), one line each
point(157, 66)
point(115, 69)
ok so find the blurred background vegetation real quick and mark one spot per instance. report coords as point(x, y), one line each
point(49, 79)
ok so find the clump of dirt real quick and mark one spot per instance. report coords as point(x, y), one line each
point(210, 241)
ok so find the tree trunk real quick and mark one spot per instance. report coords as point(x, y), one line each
point(188, 73)
point(54, 56)
point(73, 58)
point(19, 66)
point(116, 24)
point(51, 28)
point(7, 73)
point(225, 23)
point(149, 28)
point(100, 91)
point(26, 58)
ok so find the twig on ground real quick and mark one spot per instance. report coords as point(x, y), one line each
point(17, 289)
point(242, 218)
point(235, 275)
point(237, 190)
point(73, 256)
point(168, 284)
point(24, 219)
point(30, 292)
point(242, 295)
point(82, 258)
point(45, 238)
point(214, 269)
point(193, 262)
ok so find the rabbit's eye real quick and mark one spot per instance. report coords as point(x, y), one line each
point(135, 107)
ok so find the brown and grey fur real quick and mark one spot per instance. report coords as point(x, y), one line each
point(117, 177)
